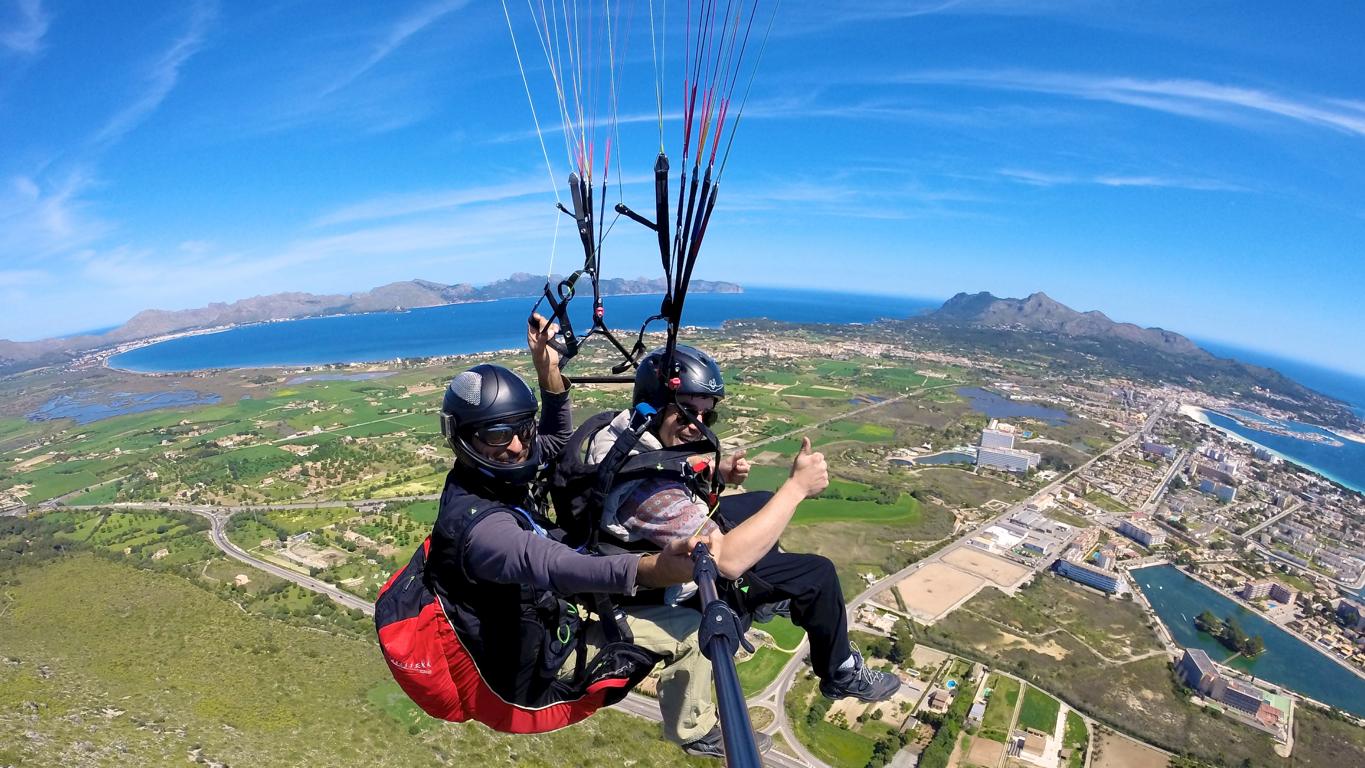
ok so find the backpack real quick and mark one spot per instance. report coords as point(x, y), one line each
point(579, 489)
point(431, 639)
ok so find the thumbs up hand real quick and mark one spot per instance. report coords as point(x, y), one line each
point(734, 469)
point(810, 473)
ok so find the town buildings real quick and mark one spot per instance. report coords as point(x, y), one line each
point(1100, 578)
point(1146, 536)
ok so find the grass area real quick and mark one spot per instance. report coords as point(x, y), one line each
point(1115, 628)
point(760, 717)
point(1106, 502)
point(1039, 711)
point(829, 742)
point(995, 724)
point(761, 669)
point(961, 488)
point(422, 511)
point(785, 633)
point(182, 670)
point(1323, 741)
point(905, 511)
point(1076, 739)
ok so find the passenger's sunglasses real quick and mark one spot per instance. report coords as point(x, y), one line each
point(707, 417)
point(498, 435)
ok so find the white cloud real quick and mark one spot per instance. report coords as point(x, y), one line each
point(26, 36)
point(1190, 98)
point(1045, 179)
point(161, 79)
point(395, 37)
point(38, 219)
point(400, 205)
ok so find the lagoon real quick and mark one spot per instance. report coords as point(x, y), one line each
point(999, 407)
point(1288, 661)
point(457, 329)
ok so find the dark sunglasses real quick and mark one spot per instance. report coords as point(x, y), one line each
point(498, 435)
point(707, 417)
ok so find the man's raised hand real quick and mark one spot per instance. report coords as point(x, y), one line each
point(539, 333)
point(734, 469)
point(809, 470)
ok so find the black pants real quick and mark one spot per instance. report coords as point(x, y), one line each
point(809, 581)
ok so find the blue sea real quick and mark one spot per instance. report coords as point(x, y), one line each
point(1344, 464)
point(485, 326)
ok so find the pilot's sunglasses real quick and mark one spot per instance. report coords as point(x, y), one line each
point(498, 435)
point(707, 417)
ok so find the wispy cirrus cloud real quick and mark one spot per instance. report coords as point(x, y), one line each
point(1045, 179)
point(1199, 99)
point(161, 78)
point(394, 38)
point(39, 217)
point(415, 203)
point(25, 35)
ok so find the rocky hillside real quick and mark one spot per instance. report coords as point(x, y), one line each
point(1040, 312)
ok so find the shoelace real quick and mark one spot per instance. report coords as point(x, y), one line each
point(868, 675)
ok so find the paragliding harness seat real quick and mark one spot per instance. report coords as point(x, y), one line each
point(471, 650)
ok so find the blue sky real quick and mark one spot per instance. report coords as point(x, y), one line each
point(1198, 166)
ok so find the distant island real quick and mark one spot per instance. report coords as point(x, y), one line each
point(16, 356)
point(1229, 632)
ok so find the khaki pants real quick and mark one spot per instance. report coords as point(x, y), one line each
point(686, 692)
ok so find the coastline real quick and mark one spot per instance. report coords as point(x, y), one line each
point(1200, 415)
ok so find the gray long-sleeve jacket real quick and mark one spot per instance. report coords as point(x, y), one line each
point(499, 550)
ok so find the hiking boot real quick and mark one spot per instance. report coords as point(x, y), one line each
point(713, 744)
point(861, 682)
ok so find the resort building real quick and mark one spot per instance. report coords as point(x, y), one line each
point(1198, 671)
point(998, 435)
point(1147, 537)
point(1007, 459)
point(1099, 578)
point(1274, 590)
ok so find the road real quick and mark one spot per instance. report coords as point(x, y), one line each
point(218, 536)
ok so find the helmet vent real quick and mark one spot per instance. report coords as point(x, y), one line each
point(468, 386)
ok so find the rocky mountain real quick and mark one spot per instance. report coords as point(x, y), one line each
point(1040, 312)
point(22, 355)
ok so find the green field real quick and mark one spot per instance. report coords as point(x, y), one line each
point(1076, 739)
point(1039, 711)
point(786, 634)
point(756, 672)
point(838, 747)
point(995, 724)
point(1106, 502)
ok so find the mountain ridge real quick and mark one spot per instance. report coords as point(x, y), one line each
point(1040, 312)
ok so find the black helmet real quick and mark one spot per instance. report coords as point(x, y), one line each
point(488, 394)
point(693, 372)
